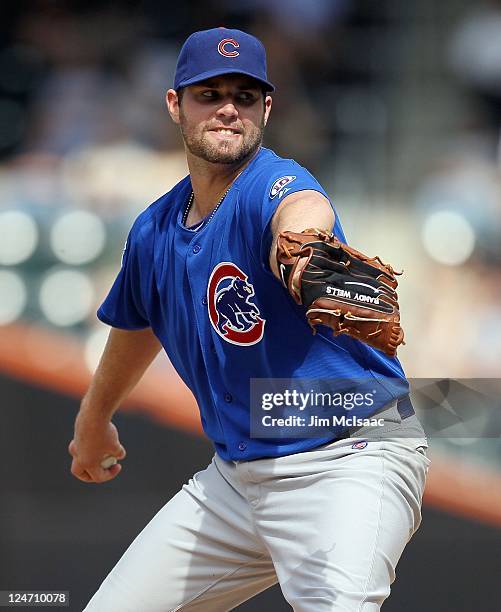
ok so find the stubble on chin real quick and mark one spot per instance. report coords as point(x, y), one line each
point(199, 145)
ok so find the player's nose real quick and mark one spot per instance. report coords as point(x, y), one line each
point(228, 109)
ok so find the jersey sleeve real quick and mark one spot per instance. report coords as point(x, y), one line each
point(265, 192)
point(125, 306)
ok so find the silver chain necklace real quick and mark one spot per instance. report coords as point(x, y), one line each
point(207, 219)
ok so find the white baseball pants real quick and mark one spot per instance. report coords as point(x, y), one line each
point(329, 524)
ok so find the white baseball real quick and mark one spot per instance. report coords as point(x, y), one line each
point(107, 462)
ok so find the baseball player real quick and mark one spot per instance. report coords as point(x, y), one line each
point(227, 273)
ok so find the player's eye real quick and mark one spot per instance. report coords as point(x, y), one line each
point(241, 97)
point(209, 94)
point(246, 96)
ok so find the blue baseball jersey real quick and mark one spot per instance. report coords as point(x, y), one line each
point(221, 315)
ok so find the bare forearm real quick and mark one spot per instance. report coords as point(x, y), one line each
point(299, 211)
point(126, 357)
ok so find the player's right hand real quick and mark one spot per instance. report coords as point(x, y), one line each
point(94, 440)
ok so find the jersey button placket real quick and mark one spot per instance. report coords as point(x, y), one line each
point(196, 249)
point(228, 398)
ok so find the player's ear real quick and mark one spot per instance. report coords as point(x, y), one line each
point(267, 108)
point(172, 101)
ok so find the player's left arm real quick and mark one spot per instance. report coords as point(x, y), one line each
point(297, 212)
point(319, 271)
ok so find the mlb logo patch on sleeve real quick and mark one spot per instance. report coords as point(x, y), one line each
point(277, 189)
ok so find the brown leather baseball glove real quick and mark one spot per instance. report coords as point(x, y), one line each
point(342, 288)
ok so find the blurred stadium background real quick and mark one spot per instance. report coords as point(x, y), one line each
point(395, 106)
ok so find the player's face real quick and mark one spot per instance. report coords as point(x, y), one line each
point(222, 119)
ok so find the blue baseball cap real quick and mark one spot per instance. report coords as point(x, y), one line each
point(218, 51)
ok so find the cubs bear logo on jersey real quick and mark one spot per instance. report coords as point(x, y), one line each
point(232, 312)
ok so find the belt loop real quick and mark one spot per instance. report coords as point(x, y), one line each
point(405, 407)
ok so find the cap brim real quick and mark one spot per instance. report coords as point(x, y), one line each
point(219, 72)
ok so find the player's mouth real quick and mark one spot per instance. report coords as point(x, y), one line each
point(226, 133)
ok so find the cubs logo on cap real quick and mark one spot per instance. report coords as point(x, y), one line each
point(219, 51)
point(228, 43)
point(232, 311)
